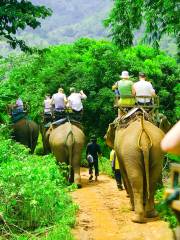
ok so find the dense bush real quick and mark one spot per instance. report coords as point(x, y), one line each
point(92, 66)
point(33, 193)
point(105, 166)
point(164, 210)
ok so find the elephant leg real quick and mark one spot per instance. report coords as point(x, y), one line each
point(155, 173)
point(137, 186)
point(139, 209)
point(71, 175)
point(126, 182)
point(77, 177)
point(129, 191)
point(34, 141)
point(76, 164)
point(150, 211)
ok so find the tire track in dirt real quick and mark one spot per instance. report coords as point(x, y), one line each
point(104, 214)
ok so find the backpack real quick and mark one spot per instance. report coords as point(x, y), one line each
point(90, 158)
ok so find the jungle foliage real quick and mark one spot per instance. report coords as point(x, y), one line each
point(31, 187)
point(164, 210)
point(160, 17)
point(92, 66)
point(16, 15)
point(34, 195)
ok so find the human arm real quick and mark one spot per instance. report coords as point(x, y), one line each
point(52, 100)
point(152, 90)
point(171, 141)
point(99, 151)
point(133, 90)
point(115, 86)
point(87, 150)
point(69, 103)
point(65, 100)
point(82, 95)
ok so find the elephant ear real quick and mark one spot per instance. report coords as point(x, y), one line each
point(110, 135)
point(164, 124)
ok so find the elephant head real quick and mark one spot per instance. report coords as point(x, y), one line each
point(110, 135)
point(164, 124)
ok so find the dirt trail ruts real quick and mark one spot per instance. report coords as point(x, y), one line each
point(104, 214)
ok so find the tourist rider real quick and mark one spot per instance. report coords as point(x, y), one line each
point(125, 87)
point(116, 169)
point(59, 101)
point(19, 106)
point(75, 100)
point(94, 150)
point(47, 108)
point(117, 95)
point(143, 88)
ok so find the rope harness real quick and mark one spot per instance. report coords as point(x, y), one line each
point(143, 130)
point(69, 133)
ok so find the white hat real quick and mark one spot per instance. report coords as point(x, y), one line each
point(125, 74)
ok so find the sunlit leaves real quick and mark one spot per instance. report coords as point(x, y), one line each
point(15, 15)
point(159, 16)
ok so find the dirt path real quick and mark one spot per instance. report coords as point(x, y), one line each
point(104, 214)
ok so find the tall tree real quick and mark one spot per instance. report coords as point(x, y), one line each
point(17, 14)
point(160, 17)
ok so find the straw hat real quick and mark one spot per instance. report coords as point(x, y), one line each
point(125, 74)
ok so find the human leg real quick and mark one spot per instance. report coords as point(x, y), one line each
point(90, 171)
point(117, 174)
point(96, 169)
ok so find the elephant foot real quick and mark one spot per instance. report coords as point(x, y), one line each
point(139, 218)
point(131, 208)
point(77, 180)
point(151, 214)
point(79, 185)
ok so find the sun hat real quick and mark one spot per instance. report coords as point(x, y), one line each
point(60, 90)
point(125, 74)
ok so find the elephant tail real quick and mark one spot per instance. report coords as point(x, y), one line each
point(70, 137)
point(30, 140)
point(145, 150)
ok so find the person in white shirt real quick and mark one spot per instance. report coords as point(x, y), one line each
point(143, 88)
point(47, 109)
point(75, 100)
point(19, 105)
point(47, 104)
point(59, 100)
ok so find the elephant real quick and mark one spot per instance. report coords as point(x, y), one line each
point(140, 157)
point(164, 124)
point(45, 132)
point(66, 142)
point(26, 132)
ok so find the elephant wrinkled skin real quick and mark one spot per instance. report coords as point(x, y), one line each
point(66, 142)
point(141, 158)
point(26, 132)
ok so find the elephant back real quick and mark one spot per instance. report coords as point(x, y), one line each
point(61, 133)
point(26, 132)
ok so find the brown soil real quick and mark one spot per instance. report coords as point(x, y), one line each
point(104, 214)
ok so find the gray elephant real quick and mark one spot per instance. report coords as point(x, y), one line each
point(137, 146)
point(66, 142)
point(26, 132)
